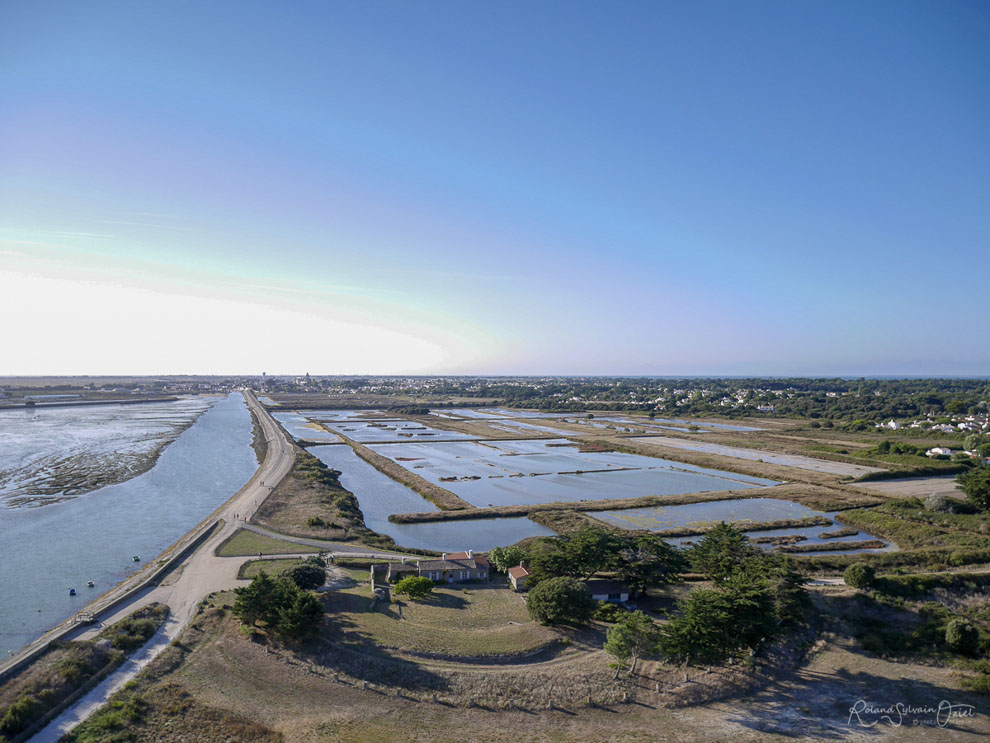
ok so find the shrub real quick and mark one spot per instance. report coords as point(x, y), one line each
point(415, 587)
point(133, 633)
point(605, 611)
point(18, 715)
point(962, 636)
point(939, 504)
point(561, 600)
point(306, 576)
point(859, 575)
point(980, 684)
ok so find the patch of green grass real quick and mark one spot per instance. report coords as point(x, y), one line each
point(272, 567)
point(243, 543)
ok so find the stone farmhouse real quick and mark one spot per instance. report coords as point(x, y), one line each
point(456, 567)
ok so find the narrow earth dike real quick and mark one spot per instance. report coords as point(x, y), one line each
point(584, 505)
point(440, 497)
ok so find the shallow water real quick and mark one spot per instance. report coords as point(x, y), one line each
point(379, 496)
point(45, 551)
point(540, 471)
point(738, 512)
point(48, 451)
point(344, 415)
point(301, 428)
point(392, 430)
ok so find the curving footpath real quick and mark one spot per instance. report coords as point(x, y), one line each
point(198, 574)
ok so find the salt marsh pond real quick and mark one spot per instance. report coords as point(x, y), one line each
point(516, 472)
point(391, 430)
point(302, 428)
point(738, 512)
point(379, 496)
point(52, 454)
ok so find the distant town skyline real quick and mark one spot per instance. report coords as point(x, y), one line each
point(639, 189)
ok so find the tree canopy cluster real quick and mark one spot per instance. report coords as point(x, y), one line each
point(638, 560)
point(286, 610)
point(755, 595)
point(560, 600)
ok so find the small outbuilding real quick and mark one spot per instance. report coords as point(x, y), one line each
point(518, 576)
point(608, 590)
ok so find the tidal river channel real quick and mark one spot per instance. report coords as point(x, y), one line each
point(45, 551)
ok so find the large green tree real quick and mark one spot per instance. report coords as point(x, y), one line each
point(300, 617)
point(253, 602)
point(633, 637)
point(720, 551)
point(976, 485)
point(578, 554)
point(504, 558)
point(560, 600)
point(285, 608)
point(648, 561)
point(751, 603)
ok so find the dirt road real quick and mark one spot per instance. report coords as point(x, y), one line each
point(200, 574)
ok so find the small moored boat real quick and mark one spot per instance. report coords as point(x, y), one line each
point(136, 558)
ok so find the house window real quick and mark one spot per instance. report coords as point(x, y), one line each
point(614, 596)
point(463, 575)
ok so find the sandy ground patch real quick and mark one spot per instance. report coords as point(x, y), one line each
point(917, 487)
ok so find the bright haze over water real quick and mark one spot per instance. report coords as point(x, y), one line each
point(572, 187)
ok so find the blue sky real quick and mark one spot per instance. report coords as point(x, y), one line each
point(617, 188)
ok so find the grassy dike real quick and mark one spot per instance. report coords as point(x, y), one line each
point(311, 503)
point(440, 497)
point(151, 708)
point(35, 696)
point(819, 498)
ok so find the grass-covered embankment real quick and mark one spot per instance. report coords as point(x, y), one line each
point(438, 496)
point(154, 709)
point(310, 502)
point(67, 670)
point(928, 540)
point(244, 543)
point(492, 512)
point(911, 526)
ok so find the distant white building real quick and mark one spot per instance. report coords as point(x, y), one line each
point(939, 451)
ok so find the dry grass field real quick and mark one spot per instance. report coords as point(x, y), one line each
point(480, 619)
point(310, 695)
